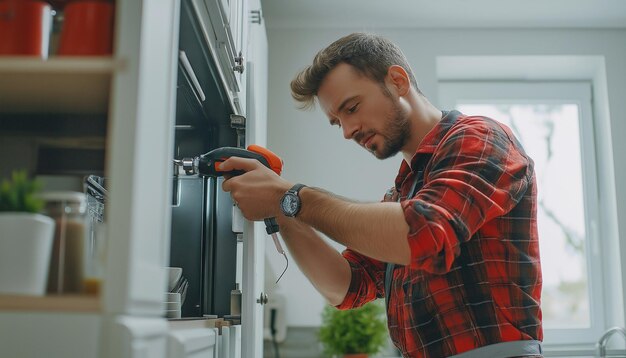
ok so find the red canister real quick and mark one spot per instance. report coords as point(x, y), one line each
point(87, 28)
point(25, 27)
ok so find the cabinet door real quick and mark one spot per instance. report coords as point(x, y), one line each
point(256, 238)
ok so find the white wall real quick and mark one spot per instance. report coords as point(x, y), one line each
point(316, 154)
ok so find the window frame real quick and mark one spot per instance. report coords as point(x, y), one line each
point(451, 93)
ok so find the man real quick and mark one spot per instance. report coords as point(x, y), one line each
point(454, 247)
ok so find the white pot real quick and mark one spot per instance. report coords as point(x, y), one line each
point(25, 249)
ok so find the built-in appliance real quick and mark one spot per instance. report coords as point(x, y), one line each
point(202, 241)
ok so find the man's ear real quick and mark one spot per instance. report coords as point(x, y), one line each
point(398, 78)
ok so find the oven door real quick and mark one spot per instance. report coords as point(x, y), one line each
point(189, 237)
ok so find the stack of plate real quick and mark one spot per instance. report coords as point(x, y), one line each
point(172, 305)
point(177, 289)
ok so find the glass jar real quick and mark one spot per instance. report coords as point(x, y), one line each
point(68, 209)
point(95, 248)
point(94, 256)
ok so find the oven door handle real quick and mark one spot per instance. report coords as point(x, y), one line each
point(192, 75)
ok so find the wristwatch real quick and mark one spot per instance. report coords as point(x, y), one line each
point(290, 203)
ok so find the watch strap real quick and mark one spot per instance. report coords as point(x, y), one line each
point(293, 192)
point(296, 188)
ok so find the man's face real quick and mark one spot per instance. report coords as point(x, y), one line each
point(365, 110)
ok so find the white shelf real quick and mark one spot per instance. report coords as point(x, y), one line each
point(55, 85)
point(60, 303)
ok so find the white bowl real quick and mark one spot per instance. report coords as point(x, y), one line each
point(173, 275)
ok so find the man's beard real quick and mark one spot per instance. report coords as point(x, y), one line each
point(396, 135)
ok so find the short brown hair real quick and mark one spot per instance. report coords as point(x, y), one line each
point(371, 55)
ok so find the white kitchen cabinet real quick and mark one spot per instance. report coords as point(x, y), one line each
point(136, 89)
point(254, 249)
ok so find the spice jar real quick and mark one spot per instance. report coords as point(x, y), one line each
point(68, 209)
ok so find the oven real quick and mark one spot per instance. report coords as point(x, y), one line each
point(202, 241)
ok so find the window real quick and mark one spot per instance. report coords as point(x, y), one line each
point(554, 124)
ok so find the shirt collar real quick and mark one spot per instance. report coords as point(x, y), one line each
point(429, 143)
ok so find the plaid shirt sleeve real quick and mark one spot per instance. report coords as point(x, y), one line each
point(475, 175)
point(367, 283)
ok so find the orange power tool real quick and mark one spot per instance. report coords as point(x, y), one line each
point(207, 165)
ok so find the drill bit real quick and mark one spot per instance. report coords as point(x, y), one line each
point(271, 226)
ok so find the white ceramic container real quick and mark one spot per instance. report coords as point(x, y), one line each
point(25, 249)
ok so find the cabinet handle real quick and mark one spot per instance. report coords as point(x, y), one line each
point(255, 17)
point(263, 299)
point(192, 75)
point(239, 67)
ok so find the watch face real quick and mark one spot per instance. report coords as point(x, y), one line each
point(290, 204)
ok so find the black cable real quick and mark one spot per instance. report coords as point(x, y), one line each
point(273, 331)
point(276, 355)
point(286, 266)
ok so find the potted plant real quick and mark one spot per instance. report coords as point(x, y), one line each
point(25, 237)
point(353, 333)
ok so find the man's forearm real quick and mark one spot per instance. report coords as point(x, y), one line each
point(327, 270)
point(377, 230)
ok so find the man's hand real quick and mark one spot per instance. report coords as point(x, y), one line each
point(258, 191)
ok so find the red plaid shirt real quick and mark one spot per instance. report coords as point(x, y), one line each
point(475, 276)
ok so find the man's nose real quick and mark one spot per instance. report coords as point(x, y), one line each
point(349, 129)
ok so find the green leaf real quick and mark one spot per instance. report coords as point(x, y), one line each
point(18, 194)
point(359, 330)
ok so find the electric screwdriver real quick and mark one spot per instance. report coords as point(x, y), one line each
point(207, 165)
